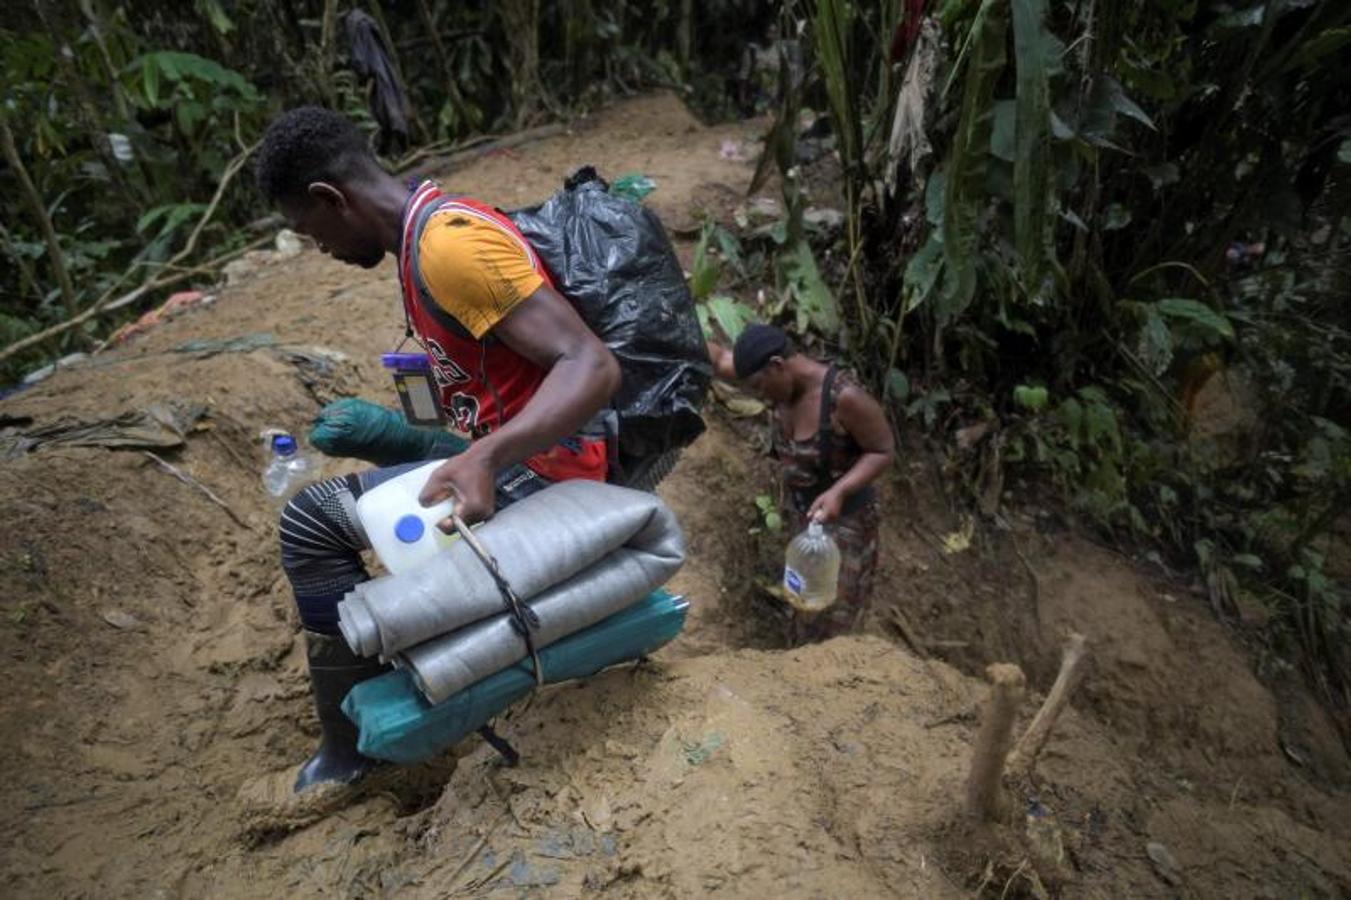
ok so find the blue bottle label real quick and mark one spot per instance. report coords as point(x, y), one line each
point(792, 580)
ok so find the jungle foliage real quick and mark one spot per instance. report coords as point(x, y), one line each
point(122, 120)
point(1071, 228)
point(1064, 222)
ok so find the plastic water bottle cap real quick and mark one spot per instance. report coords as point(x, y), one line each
point(283, 445)
point(814, 528)
point(409, 529)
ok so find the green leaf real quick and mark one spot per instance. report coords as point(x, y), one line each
point(967, 162)
point(813, 298)
point(707, 269)
point(731, 249)
point(1344, 152)
point(1244, 18)
point(1248, 561)
point(731, 315)
point(177, 66)
point(1116, 217)
point(189, 114)
point(174, 214)
point(149, 216)
point(1106, 99)
point(1031, 397)
point(219, 20)
point(928, 405)
point(1059, 129)
point(935, 198)
point(1099, 422)
point(921, 273)
point(1197, 313)
point(898, 386)
point(1125, 105)
point(1325, 44)
point(1155, 347)
point(1002, 139)
point(150, 81)
point(833, 27)
point(1071, 414)
point(1162, 175)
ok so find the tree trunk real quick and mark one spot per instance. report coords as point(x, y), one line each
point(985, 798)
point(328, 51)
point(684, 36)
point(520, 20)
point(39, 209)
point(450, 85)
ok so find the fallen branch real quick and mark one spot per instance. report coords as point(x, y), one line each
point(478, 149)
point(194, 483)
point(446, 146)
point(985, 799)
point(898, 620)
point(39, 210)
point(1029, 746)
point(231, 170)
point(107, 303)
point(230, 451)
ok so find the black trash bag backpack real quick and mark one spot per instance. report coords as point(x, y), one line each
point(613, 260)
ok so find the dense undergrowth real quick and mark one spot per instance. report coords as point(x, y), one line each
point(123, 122)
point(1069, 226)
point(1064, 221)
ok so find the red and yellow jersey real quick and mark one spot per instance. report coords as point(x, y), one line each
point(464, 267)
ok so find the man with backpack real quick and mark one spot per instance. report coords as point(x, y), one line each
point(515, 366)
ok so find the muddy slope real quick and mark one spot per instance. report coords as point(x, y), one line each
point(152, 663)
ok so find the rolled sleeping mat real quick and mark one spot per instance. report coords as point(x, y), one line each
point(538, 542)
point(396, 723)
point(447, 665)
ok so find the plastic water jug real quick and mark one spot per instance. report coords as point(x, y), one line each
point(403, 532)
point(811, 570)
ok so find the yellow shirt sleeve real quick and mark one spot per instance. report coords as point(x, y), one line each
point(474, 270)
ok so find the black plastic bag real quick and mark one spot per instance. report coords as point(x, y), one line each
point(613, 260)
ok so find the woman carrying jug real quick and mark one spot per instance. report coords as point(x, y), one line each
point(833, 442)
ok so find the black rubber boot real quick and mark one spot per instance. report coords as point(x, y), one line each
point(334, 670)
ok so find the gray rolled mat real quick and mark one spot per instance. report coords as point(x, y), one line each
point(538, 542)
point(444, 666)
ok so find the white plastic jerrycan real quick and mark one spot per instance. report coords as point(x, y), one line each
point(403, 532)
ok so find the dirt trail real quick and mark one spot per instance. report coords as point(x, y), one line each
point(153, 664)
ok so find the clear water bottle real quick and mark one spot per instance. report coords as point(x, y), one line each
point(811, 570)
point(288, 468)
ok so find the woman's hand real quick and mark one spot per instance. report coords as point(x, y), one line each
point(826, 507)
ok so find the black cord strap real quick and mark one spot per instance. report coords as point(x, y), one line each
point(523, 618)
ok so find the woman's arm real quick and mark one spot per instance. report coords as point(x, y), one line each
point(722, 361)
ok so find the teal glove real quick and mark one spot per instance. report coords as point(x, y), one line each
point(356, 428)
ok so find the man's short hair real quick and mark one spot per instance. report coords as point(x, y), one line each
point(309, 144)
